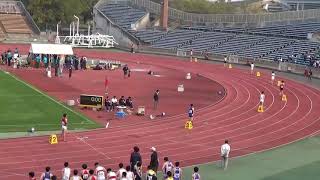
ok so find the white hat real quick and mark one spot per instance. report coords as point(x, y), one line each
point(153, 149)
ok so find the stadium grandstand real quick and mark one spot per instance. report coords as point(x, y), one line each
point(16, 22)
point(290, 39)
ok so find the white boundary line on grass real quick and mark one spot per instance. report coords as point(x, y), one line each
point(47, 96)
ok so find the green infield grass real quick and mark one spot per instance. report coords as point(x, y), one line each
point(296, 161)
point(23, 107)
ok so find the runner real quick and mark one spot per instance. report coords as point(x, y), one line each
point(92, 176)
point(64, 125)
point(281, 89)
point(273, 76)
point(262, 98)
point(66, 171)
point(75, 175)
point(191, 112)
point(177, 172)
point(31, 176)
point(85, 172)
point(111, 175)
point(252, 67)
point(46, 175)
point(195, 175)
point(100, 172)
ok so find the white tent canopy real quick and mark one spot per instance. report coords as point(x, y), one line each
point(58, 49)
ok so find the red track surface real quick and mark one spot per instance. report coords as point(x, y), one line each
point(235, 118)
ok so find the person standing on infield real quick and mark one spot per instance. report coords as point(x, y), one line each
point(64, 126)
point(156, 99)
point(225, 150)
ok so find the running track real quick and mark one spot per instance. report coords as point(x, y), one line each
point(235, 118)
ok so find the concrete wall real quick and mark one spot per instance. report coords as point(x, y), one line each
point(143, 22)
point(104, 26)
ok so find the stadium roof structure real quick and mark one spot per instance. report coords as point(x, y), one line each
point(58, 49)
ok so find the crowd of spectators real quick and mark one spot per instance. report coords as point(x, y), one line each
point(133, 171)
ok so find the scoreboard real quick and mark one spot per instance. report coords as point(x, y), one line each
point(91, 101)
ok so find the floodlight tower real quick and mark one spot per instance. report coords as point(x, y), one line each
point(57, 41)
point(77, 34)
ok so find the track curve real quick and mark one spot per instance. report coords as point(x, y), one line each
point(234, 118)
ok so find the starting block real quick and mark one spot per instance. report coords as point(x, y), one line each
point(53, 139)
point(258, 74)
point(284, 98)
point(278, 83)
point(188, 125)
point(230, 66)
point(260, 108)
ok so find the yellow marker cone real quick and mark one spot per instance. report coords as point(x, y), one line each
point(258, 74)
point(284, 97)
point(260, 108)
point(53, 139)
point(230, 66)
point(278, 83)
point(188, 125)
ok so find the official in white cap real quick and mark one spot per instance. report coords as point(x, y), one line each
point(154, 162)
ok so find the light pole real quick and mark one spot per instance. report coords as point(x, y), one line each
point(77, 24)
point(57, 41)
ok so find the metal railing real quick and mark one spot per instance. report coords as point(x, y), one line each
point(227, 18)
point(29, 19)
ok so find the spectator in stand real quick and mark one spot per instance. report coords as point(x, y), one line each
point(137, 171)
point(32, 176)
point(108, 104)
point(135, 157)
point(154, 161)
point(129, 102)
point(85, 172)
point(100, 171)
point(111, 175)
point(177, 172)
point(92, 176)
point(122, 101)
point(66, 172)
point(38, 59)
point(120, 171)
point(75, 175)
point(167, 167)
point(46, 175)
point(114, 103)
point(130, 175)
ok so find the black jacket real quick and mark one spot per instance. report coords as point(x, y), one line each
point(154, 159)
